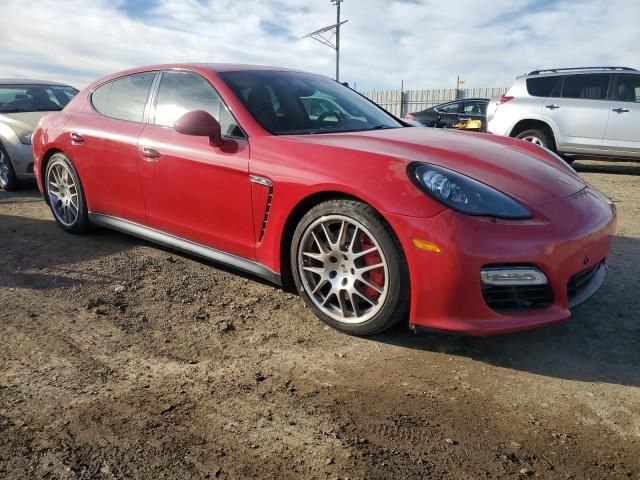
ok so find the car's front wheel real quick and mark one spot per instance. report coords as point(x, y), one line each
point(348, 268)
point(65, 194)
point(8, 179)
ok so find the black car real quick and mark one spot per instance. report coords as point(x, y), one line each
point(447, 115)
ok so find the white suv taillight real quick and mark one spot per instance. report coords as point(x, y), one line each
point(503, 99)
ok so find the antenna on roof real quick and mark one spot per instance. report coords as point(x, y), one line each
point(326, 36)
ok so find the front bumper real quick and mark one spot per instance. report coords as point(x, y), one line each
point(566, 237)
point(21, 158)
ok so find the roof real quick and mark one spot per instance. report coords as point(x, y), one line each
point(579, 70)
point(28, 81)
point(215, 67)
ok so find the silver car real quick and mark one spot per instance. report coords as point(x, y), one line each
point(591, 111)
point(22, 104)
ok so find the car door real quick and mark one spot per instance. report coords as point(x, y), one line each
point(448, 114)
point(475, 110)
point(104, 146)
point(623, 130)
point(579, 117)
point(193, 189)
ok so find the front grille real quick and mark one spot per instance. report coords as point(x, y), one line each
point(517, 298)
point(580, 280)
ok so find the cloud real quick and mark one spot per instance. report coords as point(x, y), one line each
point(425, 43)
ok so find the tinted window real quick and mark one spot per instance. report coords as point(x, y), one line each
point(627, 88)
point(475, 108)
point(542, 86)
point(281, 102)
point(34, 98)
point(182, 92)
point(450, 108)
point(591, 87)
point(124, 98)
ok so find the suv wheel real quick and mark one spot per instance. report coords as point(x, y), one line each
point(537, 137)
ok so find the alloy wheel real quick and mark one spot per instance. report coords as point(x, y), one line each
point(343, 269)
point(63, 194)
point(4, 169)
point(533, 139)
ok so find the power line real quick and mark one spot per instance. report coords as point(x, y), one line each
point(326, 35)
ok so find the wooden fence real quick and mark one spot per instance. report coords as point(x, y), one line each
point(400, 102)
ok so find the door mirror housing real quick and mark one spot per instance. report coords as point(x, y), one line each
point(200, 124)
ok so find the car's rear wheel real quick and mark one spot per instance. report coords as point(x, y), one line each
point(537, 137)
point(65, 195)
point(349, 269)
point(8, 179)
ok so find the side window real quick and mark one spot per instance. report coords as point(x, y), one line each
point(589, 87)
point(450, 108)
point(100, 96)
point(124, 98)
point(182, 92)
point(475, 108)
point(627, 88)
point(542, 86)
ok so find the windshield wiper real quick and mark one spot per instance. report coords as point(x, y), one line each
point(381, 127)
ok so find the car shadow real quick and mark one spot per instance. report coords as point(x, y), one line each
point(59, 255)
point(599, 343)
point(607, 166)
point(38, 255)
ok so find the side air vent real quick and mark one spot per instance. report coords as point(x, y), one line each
point(266, 213)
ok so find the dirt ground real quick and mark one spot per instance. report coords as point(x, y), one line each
point(119, 359)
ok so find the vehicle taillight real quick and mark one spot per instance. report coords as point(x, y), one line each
point(504, 99)
point(408, 116)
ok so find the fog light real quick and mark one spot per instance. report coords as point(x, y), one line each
point(507, 276)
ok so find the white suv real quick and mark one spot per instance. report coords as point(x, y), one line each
point(588, 111)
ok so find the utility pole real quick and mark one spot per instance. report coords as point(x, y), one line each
point(326, 36)
point(337, 4)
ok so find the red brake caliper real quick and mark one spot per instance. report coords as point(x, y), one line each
point(374, 276)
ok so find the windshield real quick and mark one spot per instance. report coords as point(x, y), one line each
point(289, 103)
point(34, 98)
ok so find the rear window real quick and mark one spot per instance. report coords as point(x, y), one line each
point(588, 87)
point(542, 86)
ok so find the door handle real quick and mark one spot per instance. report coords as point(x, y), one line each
point(620, 110)
point(76, 138)
point(553, 106)
point(150, 154)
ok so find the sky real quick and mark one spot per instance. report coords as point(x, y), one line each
point(422, 43)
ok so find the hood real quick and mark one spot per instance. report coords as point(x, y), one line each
point(22, 121)
point(514, 167)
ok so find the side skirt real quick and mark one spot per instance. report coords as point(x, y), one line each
point(183, 245)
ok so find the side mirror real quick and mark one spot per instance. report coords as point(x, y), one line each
point(201, 124)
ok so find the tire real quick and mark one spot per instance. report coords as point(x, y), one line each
point(65, 195)
point(8, 179)
point(354, 292)
point(538, 137)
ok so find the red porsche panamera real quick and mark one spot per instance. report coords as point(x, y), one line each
point(293, 176)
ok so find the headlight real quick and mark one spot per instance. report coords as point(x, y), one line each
point(463, 193)
point(25, 138)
